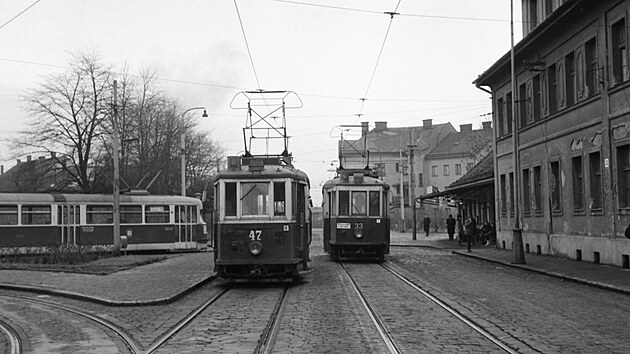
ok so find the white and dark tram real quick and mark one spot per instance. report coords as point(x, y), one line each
point(262, 228)
point(150, 222)
point(356, 223)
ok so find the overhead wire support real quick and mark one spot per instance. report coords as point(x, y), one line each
point(251, 60)
point(380, 53)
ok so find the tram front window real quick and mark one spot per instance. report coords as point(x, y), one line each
point(254, 198)
point(359, 203)
point(279, 199)
point(374, 203)
point(344, 203)
point(230, 199)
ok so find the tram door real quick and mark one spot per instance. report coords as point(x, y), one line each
point(67, 219)
point(185, 217)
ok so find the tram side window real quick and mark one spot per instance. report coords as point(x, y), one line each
point(230, 199)
point(186, 214)
point(333, 203)
point(254, 198)
point(36, 215)
point(157, 214)
point(374, 203)
point(359, 203)
point(8, 214)
point(131, 214)
point(344, 202)
point(99, 214)
point(279, 199)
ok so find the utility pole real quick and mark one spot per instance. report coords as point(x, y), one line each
point(517, 236)
point(402, 188)
point(116, 191)
point(412, 187)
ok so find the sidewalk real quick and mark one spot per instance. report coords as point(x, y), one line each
point(602, 276)
point(150, 284)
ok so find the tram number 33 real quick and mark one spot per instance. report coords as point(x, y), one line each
point(358, 225)
point(254, 235)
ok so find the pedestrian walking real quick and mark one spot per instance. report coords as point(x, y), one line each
point(469, 231)
point(427, 224)
point(459, 229)
point(450, 227)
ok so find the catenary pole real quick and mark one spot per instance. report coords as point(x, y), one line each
point(116, 187)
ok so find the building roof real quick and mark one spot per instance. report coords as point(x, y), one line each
point(482, 171)
point(463, 143)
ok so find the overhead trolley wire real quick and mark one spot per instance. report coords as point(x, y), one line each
point(378, 59)
point(247, 44)
point(18, 15)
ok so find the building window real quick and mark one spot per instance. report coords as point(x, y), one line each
point(552, 87)
point(446, 170)
point(623, 167)
point(555, 187)
point(619, 52)
point(508, 102)
point(434, 171)
point(522, 104)
point(420, 183)
point(469, 166)
point(590, 54)
point(578, 184)
point(595, 170)
point(379, 168)
point(537, 190)
point(533, 14)
point(500, 116)
point(458, 169)
point(503, 197)
point(537, 104)
point(527, 210)
point(569, 62)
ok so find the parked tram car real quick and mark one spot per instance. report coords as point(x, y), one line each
point(356, 225)
point(149, 222)
point(262, 227)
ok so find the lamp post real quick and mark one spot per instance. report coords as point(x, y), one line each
point(184, 147)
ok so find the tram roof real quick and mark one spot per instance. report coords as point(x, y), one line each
point(262, 172)
point(93, 198)
point(354, 181)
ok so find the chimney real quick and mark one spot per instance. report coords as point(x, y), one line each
point(380, 126)
point(364, 129)
point(427, 123)
point(1, 169)
point(465, 127)
point(42, 158)
point(19, 161)
point(486, 125)
point(28, 158)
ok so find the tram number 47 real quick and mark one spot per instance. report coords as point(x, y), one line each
point(254, 235)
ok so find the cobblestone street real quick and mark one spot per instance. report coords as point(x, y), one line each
point(530, 312)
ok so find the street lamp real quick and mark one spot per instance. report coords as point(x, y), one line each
point(184, 147)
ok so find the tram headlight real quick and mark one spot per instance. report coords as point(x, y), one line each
point(255, 248)
point(358, 233)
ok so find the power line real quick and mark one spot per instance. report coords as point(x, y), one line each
point(246, 44)
point(18, 15)
point(378, 59)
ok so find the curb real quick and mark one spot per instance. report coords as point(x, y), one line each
point(548, 273)
point(98, 300)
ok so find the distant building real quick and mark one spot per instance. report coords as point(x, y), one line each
point(389, 156)
point(572, 114)
point(44, 174)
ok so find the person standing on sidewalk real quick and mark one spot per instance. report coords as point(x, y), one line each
point(469, 231)
point(450, 227)
point(459, 229)
point(427, 224)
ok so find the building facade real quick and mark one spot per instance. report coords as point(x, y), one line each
point(567, 115)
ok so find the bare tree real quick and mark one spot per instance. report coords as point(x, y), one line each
point(68, 112)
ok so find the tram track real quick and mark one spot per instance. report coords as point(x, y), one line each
point(451, 310)
point(387, 335)
point(15, 344)
point(126, 339)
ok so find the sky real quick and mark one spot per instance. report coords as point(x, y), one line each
point(348, 61)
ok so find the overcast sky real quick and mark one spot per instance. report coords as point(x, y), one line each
point(327, 51)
